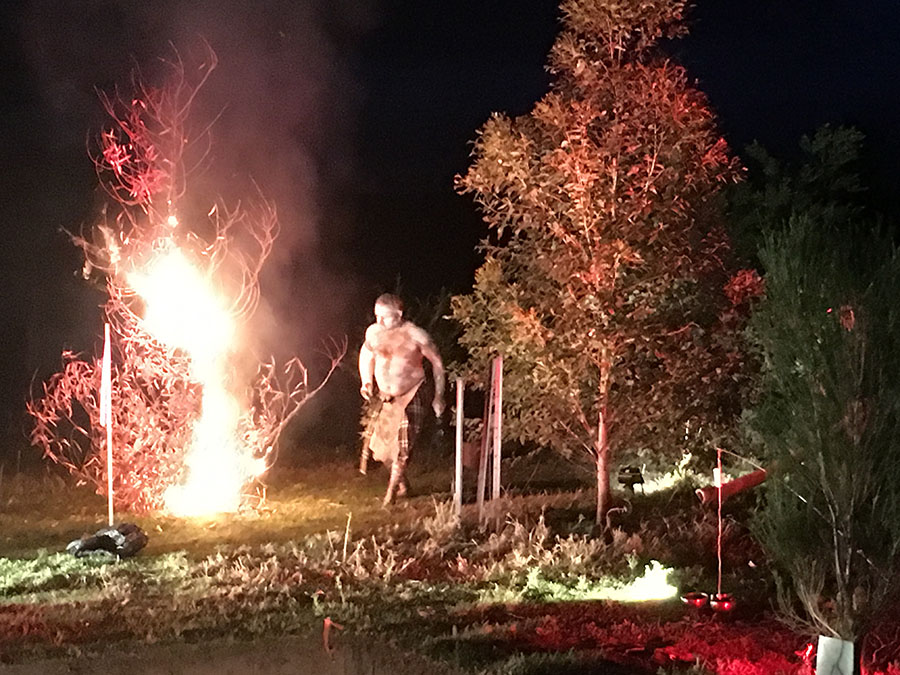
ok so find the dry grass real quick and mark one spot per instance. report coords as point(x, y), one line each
point(413, 569)
point(47, 511)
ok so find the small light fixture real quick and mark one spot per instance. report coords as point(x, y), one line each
point(695, 599)
point(629, 476)
point(722, 602)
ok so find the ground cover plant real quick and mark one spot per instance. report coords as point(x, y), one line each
point(513, 597)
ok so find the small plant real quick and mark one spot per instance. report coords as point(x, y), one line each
point(444, 524)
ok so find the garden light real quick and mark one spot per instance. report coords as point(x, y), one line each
point(695, 599)
point(629, 476)
point(722, 602)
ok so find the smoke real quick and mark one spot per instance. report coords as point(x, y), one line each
point(284, 106)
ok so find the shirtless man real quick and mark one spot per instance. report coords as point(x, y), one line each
point(392, 353)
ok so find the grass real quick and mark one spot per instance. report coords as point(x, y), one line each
point(503, 599)
point(266, 571)
point(46, 512)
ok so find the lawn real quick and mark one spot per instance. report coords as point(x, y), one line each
point(521, 594)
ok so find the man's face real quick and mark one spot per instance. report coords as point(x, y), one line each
point(387, 317)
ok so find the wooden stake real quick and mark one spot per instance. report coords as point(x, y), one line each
point(497, 422)
point(346, 537)
point(457, 486)
point(485, 449)
point(109, 472)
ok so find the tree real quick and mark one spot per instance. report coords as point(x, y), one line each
point(603, 287)
point(822, 183)
point(829, 418)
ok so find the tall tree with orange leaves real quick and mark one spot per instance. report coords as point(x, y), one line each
point(603, 285)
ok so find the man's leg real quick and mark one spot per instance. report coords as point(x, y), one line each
point(397, 481)
point(364, 457)
point(413, 420)
point(408, 435)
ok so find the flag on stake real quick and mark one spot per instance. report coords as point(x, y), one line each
point(106, 415)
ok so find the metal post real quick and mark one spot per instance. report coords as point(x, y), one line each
point(109, 474)
point(106, 417)
point(718, 482)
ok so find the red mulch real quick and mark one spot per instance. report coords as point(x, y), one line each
point(655, 635)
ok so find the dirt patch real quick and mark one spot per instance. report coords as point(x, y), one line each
point(351, 656)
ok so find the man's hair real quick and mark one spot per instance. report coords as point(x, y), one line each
point(390, 300)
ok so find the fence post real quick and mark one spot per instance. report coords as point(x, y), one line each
point(457, 491)
point(486, 447)
point(497, 422)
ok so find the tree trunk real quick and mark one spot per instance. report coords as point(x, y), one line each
point(602, 449)
point(602, 456)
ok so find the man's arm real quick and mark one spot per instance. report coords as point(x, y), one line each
point(366, 369)
point(430, 352)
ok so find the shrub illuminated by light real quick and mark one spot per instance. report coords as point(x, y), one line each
point(652, 585)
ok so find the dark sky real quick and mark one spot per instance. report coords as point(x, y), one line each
point(354, 116)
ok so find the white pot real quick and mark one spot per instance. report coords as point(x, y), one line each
point(835, 656)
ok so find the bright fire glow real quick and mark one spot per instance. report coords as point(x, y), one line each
point(182, 308)
point(184, 311)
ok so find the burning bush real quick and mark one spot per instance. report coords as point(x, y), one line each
point(191, 428)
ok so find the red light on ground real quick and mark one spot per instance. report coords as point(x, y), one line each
point(722, 602)
point(695, 599)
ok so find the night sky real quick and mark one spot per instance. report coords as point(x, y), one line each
point(354, 116)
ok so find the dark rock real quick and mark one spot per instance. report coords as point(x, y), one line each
point(123, 541)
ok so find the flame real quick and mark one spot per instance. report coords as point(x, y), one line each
point(183, 310)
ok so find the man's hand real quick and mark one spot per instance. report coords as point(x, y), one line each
point(438, 407)
point(367, 390)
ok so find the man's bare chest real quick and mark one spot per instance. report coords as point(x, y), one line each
point(395, 344)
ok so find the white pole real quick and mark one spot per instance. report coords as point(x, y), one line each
point(109, 477)
point(717, 479)
point(106, 416)
point(486, 446)
point(457, 491)
point(498, 414)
